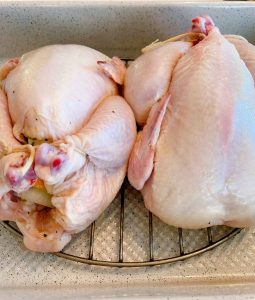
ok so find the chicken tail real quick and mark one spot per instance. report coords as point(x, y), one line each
point(202, 24)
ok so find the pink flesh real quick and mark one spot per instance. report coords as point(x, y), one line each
point(106, 140)
point(11, 163)
point(55, 89)
point(42, 233)
point(205, 159)
point(6, 135)
point(203, 24)
point(81, 196)
point(11, 207)
point(8, 67)
point(78, 202)
point(15, 180)
point(142, 157)
point(48, 155)
point(114, 69)
point(148, 77)
point(246, 51)
point(85, 195)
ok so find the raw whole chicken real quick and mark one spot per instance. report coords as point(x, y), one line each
point(65, 140)
point(194, 160)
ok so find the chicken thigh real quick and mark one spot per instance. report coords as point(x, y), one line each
point(203, 163)
point(64, 100)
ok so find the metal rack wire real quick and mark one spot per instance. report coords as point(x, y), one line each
point(210, 243)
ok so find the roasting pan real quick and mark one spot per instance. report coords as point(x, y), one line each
point(126, 234)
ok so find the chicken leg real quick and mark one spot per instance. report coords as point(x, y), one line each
point(106, 140)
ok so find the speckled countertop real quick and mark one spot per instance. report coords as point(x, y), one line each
point(231, 263)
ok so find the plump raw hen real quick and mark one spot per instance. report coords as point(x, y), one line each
point(68, 95)
point(203, 163)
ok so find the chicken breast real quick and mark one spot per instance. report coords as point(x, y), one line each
point(62, 86)
point(203, 165)
point(144, 81)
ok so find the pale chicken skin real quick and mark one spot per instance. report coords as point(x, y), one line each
point(67, 97)
point(203, 167)
point(55, 108)
point(246, 51)
point(144, 84)
point(16, 160)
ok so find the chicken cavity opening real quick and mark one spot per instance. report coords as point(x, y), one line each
point(37, 194)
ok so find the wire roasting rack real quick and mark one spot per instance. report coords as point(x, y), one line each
point(128, 235)
point(111, 240)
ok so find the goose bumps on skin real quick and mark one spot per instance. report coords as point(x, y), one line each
point(194, 159)
point(65, 140)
